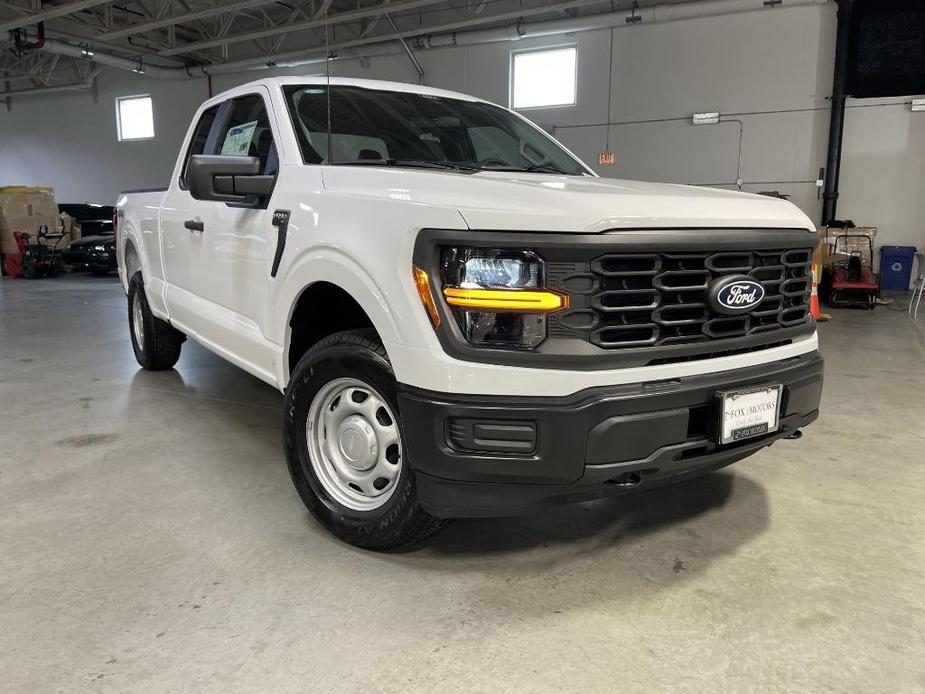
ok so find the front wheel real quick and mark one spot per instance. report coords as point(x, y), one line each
point(155, 342)
point(344, 444)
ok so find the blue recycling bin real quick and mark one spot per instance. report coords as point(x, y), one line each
point(896, 267)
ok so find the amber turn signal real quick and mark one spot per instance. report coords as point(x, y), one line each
point(505, 299)
point(423, 287)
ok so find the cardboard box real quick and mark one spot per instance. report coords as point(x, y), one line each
point(27, 201)
point(71, 227)
point(27, 208)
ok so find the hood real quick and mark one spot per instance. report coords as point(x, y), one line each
point(94, 241)
point(542, 202)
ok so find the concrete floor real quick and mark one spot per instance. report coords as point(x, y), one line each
point(150, 541)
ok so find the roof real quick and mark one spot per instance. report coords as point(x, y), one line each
point(382, 85)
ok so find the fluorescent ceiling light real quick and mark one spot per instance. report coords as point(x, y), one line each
point(711, 118)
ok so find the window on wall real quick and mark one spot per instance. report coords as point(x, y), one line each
point(545, 78)
point(135, 117)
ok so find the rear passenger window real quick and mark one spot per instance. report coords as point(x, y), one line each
point(200, 137)
point(247, 133)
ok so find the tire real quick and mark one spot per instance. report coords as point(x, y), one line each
point(155, 342)
point(29, 271)
point(338, 370)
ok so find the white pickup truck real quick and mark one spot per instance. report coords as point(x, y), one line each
point(465, 320)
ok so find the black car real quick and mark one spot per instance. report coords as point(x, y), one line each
point(94, 253)
point(95, 250)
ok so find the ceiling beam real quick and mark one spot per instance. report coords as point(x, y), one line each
point(50, 13)
point(226, 8)
point(301, 56)
point(330, 19)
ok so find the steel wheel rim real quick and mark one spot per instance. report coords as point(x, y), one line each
point(354, 444)
point(138, 322)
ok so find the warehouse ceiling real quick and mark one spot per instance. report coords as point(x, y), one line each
point(192, 33)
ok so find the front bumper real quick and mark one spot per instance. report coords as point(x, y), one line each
point(89, 259)
point(482, 456)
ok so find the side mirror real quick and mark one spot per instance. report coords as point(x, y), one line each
point(236, 181)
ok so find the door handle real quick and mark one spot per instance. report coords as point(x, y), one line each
point(281, 222)
point(194, 225)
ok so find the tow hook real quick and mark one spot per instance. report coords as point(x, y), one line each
point(627, 480)
point(795, 435)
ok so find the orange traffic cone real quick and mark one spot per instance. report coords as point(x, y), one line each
point(814, 297)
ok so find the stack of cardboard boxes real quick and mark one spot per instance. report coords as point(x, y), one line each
point(26, 209)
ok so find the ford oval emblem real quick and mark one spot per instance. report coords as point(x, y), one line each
point(735, 295)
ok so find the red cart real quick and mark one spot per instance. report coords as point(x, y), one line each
point(853, 279)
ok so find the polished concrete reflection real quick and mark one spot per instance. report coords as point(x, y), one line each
point(150, 540)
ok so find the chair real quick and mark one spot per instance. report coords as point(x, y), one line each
point(919, 287)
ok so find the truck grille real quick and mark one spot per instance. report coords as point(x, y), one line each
point(640, 300)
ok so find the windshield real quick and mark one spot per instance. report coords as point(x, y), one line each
point(384, 128)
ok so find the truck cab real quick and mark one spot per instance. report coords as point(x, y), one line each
point(464, 319)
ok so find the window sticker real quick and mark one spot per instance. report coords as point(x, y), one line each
point(238, 140)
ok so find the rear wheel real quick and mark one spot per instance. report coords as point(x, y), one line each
point(344, 444)
point(155, 342)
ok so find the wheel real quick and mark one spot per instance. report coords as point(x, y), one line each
point(156, 343)
point(344, 444)
point(29, 270)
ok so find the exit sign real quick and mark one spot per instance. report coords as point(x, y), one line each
point(605, 158)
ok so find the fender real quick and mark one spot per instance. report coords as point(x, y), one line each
point(127, 236)
point(154, 284)
point(329, 264)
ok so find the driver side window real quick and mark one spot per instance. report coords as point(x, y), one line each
point(246, 133)
point(199, 142)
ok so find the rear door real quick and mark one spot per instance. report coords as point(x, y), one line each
point(177, 242)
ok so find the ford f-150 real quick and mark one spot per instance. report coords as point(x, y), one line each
point(465, 319)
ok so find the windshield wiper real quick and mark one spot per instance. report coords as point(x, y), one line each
point(531, 168)
point(415, 163)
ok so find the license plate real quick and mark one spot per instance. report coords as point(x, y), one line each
point(749, 413)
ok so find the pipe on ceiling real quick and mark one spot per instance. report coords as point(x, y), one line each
point(70, 87)
point(658, 14)
point(50, 13)
point(377, 46)
point(137, 65)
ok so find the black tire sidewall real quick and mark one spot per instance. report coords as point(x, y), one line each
point(317, 368)
point(143, 353)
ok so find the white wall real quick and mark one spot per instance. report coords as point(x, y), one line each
point(69, 141)
point(770, 69)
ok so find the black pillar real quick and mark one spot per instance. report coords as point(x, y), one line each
point(837, 121)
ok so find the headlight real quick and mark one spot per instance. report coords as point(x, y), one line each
point(100, 248)
point(498, 297)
